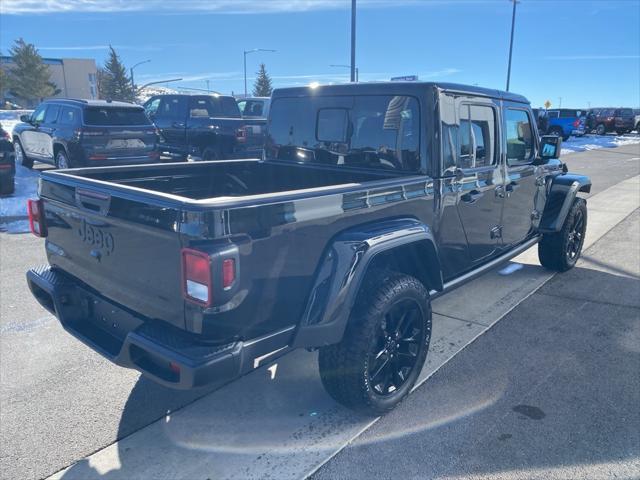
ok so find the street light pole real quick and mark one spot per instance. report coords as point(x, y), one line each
point(513, 26)
point(353, 42)
point(131, 70)
point(245, 63)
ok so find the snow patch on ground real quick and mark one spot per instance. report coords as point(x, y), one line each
point(26, 187)
point(595, 142)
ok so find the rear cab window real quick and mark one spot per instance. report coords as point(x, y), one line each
point(213, 106)
point(115, 116)
point(360, 131)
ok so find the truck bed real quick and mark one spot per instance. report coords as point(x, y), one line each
point(119, 231)
point(233, 178)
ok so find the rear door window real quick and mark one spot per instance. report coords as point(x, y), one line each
point(115, 116)
point(68, 116)
point(477, 138)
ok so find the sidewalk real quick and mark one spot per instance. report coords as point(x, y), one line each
point(551, 391)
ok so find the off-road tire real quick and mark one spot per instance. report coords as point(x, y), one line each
point(601, 129)
point(344, 367)
point(553, 248)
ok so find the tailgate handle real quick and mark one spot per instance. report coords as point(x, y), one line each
point(94, 201)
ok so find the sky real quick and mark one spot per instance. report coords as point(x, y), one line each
point(581, 53)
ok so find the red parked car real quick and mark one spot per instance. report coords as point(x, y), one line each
point(604, 120)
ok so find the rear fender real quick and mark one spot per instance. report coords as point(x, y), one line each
point(562, 192)
point(344, 266)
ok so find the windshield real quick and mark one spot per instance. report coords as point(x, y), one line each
point(367, 131)
point(112, 116)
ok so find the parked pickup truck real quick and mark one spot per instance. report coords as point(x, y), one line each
point(204, 127)
point(371, 201)
point(565, 122)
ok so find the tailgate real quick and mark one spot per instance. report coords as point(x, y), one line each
point(123, 247)
point(255, 133)
point(118, 141)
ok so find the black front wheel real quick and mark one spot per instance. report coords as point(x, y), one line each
point(384, 347)
point(561, 250)
point(21, 156)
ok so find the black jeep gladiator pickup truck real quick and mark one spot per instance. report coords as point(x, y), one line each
point(204, 127)
point(371, 200)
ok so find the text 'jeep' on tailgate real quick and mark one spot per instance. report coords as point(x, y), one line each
point(371, 200)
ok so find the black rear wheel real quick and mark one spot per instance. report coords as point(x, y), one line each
point(600, 129)
point(384, 347)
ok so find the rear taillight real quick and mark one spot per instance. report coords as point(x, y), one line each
point(98, 157)
point(36, 217)
point(196, 277)
point(228, 273)
point(241, 134)
point(154, 155)
point(6, 136)
point(5, 166)
point(576, 124)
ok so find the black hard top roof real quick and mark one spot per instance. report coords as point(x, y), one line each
point(395, 88)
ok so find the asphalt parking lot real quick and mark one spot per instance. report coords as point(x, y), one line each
point(61, 403)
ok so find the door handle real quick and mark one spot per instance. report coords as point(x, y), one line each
point(471, 197)
point(177, 125)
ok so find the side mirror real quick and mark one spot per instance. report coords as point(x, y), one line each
point(550, 146)
point(25, 118)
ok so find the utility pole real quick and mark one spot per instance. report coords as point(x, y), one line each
point(353, 40)
point(513, 26)
point(207, 86)
point(559, 102)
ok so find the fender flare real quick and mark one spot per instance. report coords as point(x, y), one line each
point(562, 191)
point(343, 267)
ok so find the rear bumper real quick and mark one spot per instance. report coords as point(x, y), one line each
point(166, 354)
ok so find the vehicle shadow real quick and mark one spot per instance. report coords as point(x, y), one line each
point(275, 422)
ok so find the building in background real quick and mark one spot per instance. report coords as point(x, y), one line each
point(74, 77)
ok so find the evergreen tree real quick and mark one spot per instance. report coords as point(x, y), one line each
point(262, 86)
point(28, 78)
point(113, 81)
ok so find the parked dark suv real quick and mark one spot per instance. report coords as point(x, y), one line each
point(604, 120)
point(79, 133)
